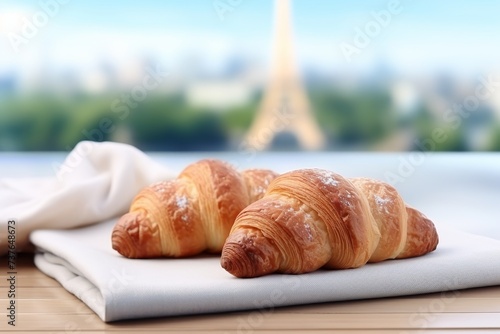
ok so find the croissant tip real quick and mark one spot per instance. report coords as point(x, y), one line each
point(234, 261)
point(229, 265)
point(121, 240)
point(249, 255)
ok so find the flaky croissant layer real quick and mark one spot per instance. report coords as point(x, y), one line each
point(312, 218)
point(190, 214)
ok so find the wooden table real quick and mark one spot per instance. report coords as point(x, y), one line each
point(42, 305)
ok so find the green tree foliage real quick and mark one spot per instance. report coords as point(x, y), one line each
point(354, 118)
point(168, 123)
point(33, 124)
point(350, 120)
point(494, 142)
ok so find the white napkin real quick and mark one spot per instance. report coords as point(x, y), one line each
point(96, 182)
point(116, 288)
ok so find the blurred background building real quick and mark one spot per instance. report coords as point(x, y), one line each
point(192, 75)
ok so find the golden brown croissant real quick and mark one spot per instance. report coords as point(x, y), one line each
point(312, 218)
point(190, 214)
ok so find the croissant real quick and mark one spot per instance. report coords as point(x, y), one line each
point(190, 214)
point(311, 218)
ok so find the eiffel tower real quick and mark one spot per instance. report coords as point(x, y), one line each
point(285, 106)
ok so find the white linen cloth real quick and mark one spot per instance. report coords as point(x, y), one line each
point(96, 182)
point(116, 288)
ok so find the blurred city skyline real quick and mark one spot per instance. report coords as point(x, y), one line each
point(424, 37)
point(421, 56)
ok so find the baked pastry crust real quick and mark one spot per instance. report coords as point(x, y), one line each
point(190, 214)
point(313, 218)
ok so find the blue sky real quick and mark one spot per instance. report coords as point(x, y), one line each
point(457, 35)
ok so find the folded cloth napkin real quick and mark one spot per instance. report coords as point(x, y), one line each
point(96, 182)
point(116, 288)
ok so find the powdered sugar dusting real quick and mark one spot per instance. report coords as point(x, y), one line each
point(381, 202)
point(327, 177)
point(346, 199)
point(261, 190)
point(181, 202)
point(307, 227)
